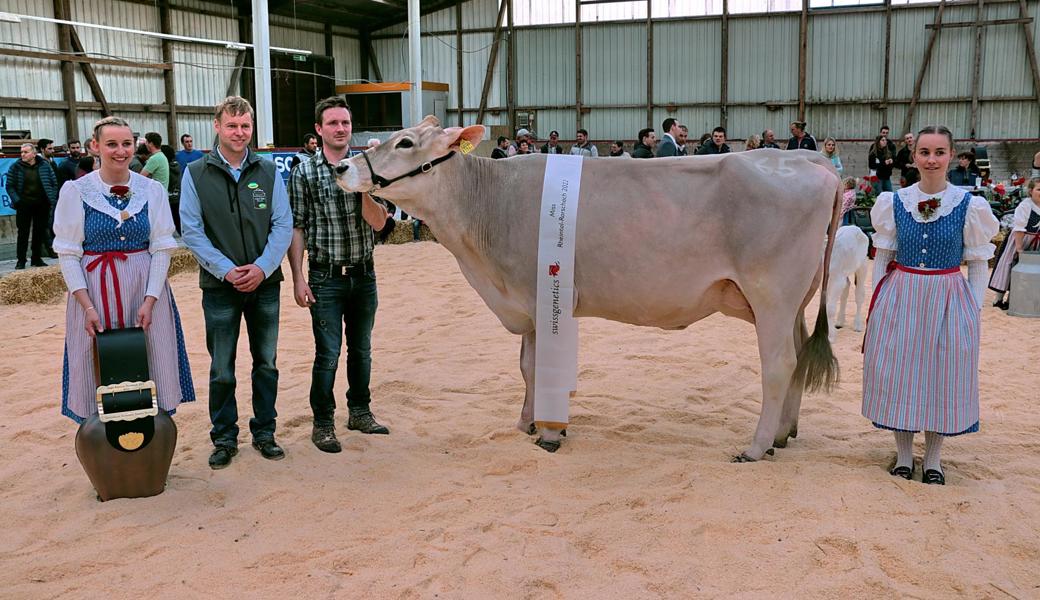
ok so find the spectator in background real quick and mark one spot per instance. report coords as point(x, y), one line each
point(880, 160)
point(67, 168)
point(800, 139)
point(86, 166)
point(905, 162)
point(524, 147)
point(716, 144)
point(156, 166)
point(583, 147)
point(174, 190)
point(884, 131)
point(769, 139)
point(185, 156)
point(1035, 172)
point(140, 157)
point(963, 175)
point(644, 147)
point(310, 148)
point(753, 142)
point(552, 147)
point(830, 150)
point(33, 189)
point(680, 140)
point(45, 151)
point(617, 150)
point(669, 144)
point(522, 135)
point(501, 150)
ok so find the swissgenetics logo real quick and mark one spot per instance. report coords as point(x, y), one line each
point(554, 272)
point(554, 269)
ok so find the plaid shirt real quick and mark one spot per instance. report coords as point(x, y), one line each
point(333, 228)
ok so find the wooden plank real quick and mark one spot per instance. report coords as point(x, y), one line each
point(68, 79)
point(888, 62)
point(976, 73)
point(488, 75)
point(803, 46)
point(578, 87)
point(724, 83)
point(916, 96)
point(88, 72)
point(236, 74)
point(458, 60)
point(649, 63)
point(375, 61)
point(169, 87)
point(980, 23)
point(1023, 11)
point(12, 103)
point(72, 57)
point(511, 69)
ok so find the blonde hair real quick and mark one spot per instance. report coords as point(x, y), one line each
point(233, 106)
point(108, 122)
point(824, 152)
point(753, 142)
point(849, 182)
point(1032, 184)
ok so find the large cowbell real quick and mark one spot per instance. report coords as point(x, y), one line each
point(126, 449)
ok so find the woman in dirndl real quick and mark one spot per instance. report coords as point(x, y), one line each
point(921, 348)
point(1024, 236)
point(113, 233)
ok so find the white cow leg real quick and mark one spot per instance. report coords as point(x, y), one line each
point(526, 422)
point(776, 347)
point(793, 401)
point(861, 294)
point(844, 302)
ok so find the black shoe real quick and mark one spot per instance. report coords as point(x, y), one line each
point(19, 265)
point(37, 262)
point(933, 477)
point(51, 253)
point(222, 456)
point(324, 438)
point(366, 423)
point(904, 472)
point(1004, 305)
point(269, 450)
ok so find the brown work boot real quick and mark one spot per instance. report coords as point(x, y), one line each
point(324, 438)
point(366, 423)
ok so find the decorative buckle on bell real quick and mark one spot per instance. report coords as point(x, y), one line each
point(426, 167)
point(127, 386)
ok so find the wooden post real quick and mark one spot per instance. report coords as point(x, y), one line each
point(649, 64)
point(724, 83)
point(977, 70)
point(68, 79)
point(1023, 13)
point(236, 74)
point(888, 62)
point(88, 72)
point(363, 46)
point(916, 96)
point(489, 74)
point(458, 60)
point(169, 87)
point(803, 45)
point(511, 71)
point(578, 92)
point(330, 49)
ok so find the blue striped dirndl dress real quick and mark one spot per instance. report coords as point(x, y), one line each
point(921, 351)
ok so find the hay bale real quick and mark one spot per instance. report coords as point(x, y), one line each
point(41, 285)
point(402, 233)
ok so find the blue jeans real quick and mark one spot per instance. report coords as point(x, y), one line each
point(884, 184)
point(223, 309)
point(343, 304)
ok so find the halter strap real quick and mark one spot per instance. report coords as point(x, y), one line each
point(380, 182)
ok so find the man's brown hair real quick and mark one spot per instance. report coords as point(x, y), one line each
point(233, 106)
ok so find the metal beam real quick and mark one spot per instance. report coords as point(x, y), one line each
point(458, 60)
point(489, 74)
point(724, 82)
point(511, 69)
point(578, 87)
point(236, 75)
point(415, 62)
point(915, 97)
point(649, 64)
point(803, 45)
point(888, 62)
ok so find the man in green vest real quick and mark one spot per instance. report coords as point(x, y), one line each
point(235, 218)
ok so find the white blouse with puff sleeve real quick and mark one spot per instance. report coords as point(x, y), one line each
point(1021, 219)
point(69, 232)
point(979, 223)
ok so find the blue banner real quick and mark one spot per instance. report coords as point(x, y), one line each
point(282, 160)
point(5, 200)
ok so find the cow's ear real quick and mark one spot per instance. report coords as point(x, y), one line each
point(453, 138)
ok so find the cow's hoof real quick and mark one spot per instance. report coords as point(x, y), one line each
point(794, 431)
point(780, 442)
point(563, 432)
point(744, 458)
point(547, 445)
point(532, 429)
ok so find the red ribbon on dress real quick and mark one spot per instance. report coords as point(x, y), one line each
point(894, 266)
point(107, 262)
point(1032, 245)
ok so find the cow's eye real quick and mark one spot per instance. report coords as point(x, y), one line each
point(405, 143)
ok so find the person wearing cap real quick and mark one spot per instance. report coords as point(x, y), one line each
point(522, 135)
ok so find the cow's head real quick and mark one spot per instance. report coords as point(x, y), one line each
point(400, 167)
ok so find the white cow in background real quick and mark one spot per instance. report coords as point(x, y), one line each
point(659, 243)
point(848, 259)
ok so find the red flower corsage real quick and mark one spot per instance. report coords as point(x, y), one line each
point(120, 191)
point(928, 207)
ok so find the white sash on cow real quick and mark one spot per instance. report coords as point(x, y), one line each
point(556, 329)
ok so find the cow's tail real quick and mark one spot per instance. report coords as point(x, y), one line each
point(817, 367)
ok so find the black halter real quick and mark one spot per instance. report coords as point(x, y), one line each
point(380, 182)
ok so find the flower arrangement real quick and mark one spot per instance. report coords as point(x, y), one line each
point(928, 207)
point(866, 194)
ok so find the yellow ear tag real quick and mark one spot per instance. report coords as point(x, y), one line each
point(131, 440)
point(466, 147)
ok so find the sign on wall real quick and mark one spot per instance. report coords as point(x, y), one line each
point(5, 200)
